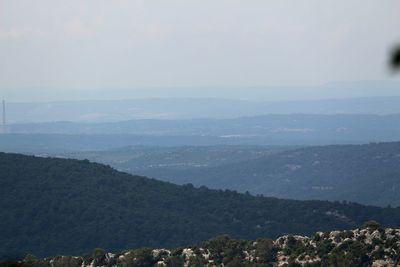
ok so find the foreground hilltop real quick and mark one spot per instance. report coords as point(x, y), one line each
point(52, 206)
point(369, 246)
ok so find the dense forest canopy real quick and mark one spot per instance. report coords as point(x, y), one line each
point(56, 206)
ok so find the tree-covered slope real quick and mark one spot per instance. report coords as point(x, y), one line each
point(368, 174)
point(54, 206)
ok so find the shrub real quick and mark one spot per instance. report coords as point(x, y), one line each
point(373, 225)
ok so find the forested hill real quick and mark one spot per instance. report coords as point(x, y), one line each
point(367, 174)
point(52, 206)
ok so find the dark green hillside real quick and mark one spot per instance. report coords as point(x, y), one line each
point(368, 174)
point(55, 206)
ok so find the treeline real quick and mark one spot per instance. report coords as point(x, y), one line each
point(368, 246)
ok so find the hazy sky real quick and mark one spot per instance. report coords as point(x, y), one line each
point(89, 44)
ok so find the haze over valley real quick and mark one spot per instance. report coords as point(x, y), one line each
point(199, 133)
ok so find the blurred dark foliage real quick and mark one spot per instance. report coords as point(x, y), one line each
point(395, 58)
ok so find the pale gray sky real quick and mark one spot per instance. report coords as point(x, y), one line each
point(90, 44)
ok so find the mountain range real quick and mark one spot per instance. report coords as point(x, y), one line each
point(290, 129)
point(195, 108)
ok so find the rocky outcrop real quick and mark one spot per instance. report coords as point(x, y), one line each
point(368, 246)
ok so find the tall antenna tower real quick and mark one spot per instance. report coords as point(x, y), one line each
point(4, 113)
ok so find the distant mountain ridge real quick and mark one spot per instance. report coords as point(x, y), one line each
point(368, 174)
point(278, 129)
point(191, 108)
point(54, 206)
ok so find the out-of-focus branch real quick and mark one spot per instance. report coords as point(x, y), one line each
point(395, 59)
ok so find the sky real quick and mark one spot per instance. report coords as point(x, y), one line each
point(152, 47)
